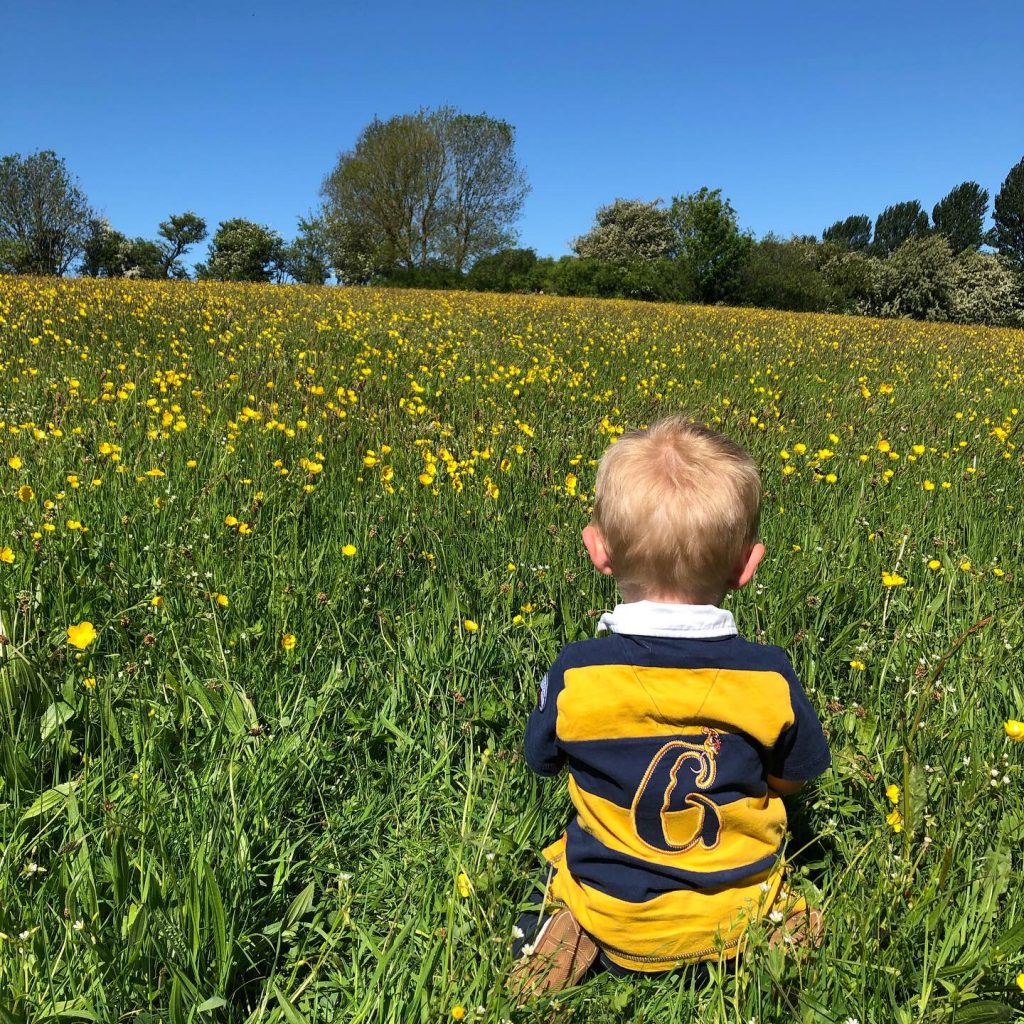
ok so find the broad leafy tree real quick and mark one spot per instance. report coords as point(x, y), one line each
point(243, 251)
point(103, 250)
point(897, 223)
point(1008, 233)
point(44, 215)
point(434, 188)
point(853, 234)
point(628, 230)
point(307, 258)
point(709, 241)
point(960, 216)
point(485, 186)
point(179, 233)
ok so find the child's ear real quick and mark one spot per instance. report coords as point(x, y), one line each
point(594, 543)
point(749, 565)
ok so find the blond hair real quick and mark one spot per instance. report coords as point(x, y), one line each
point(677, 504)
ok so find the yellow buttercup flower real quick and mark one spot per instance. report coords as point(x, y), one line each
point(469, 625)
point(82, 634)
point(14, 462)
point(934, 564)
point(349, 550)
point(1014, 729)
point(892, 579)
point(288, 641)
point(893, 793)
point(6, 555)
point(157, 601)
point(25, 493)
point(465, 886)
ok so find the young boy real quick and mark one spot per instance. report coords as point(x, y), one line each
point(681, 737)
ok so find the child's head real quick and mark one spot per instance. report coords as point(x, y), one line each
point(676, 513)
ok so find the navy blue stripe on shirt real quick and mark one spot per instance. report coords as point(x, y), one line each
point(636, 881)
point(613, 769)
point(673, 652)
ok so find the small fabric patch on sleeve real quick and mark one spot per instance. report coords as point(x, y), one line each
point(542, 693)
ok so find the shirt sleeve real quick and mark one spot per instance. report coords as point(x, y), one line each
point(801, 751)
point(541, 747)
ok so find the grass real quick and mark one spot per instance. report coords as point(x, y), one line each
point(204, 823)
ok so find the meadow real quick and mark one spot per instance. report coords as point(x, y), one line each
point(280, 568)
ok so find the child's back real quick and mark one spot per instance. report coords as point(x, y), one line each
point(669, 742)
point(680, 736)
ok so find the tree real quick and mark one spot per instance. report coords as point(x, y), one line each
point(103, 250)
point(628, 230)
point(144, 258)
point(485, 186)
point(960, 216)
point(853, 234)
point(1008, 233)
point(709, 240)
point(44, 215)
point(307, 257)
point(179, 232)
point(243, 251)
point(108, 253)
point(435, 188)
point(895, 224)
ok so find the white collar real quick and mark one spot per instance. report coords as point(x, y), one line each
point(656, 618)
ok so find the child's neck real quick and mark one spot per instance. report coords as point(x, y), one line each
point(631, 594)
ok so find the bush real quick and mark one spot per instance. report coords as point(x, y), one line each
point(784, 275)
point(851, 280)
point(656, 280)
point(435, 276)
point(511, 270)
point(584, 277)
point(985, 290)
point(916, 281)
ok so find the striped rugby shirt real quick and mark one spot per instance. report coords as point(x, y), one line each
point(669, 727)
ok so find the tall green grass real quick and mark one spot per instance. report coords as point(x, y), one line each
point(224, 830)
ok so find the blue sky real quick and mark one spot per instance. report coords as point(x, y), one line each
point(801, 113)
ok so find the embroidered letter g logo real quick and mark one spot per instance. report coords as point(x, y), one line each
point(668, 811)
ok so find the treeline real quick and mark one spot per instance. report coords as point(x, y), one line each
point(902, 264)
point(431, 199)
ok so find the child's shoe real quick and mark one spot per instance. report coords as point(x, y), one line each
point(559, 956)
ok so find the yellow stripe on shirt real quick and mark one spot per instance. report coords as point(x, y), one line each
point(600, 702)
point(670, 929)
